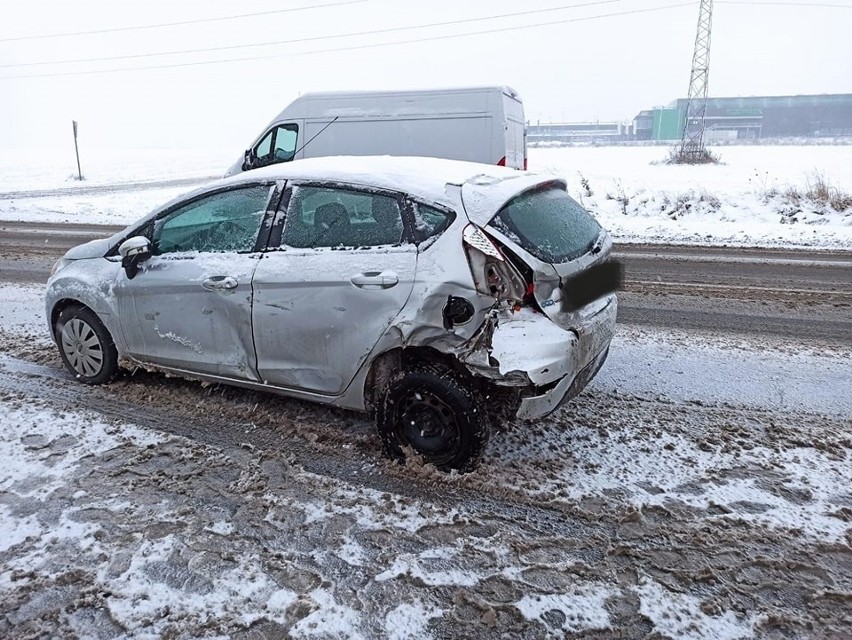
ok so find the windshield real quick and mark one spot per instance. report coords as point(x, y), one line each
point(548, 223)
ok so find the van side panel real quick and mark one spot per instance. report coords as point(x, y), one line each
point(454, 138)
point(478, 124)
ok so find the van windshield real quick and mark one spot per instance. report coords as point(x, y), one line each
point(548, 223)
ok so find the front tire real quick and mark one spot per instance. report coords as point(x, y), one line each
point(431, 410)
point(85, 346)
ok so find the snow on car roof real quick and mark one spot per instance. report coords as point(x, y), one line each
point(488, 186)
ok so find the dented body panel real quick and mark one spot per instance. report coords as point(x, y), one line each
point(314, 328)
point(170, 318)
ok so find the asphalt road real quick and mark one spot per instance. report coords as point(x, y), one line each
point(805, 295)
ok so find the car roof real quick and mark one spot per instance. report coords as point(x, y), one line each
point(485, 187)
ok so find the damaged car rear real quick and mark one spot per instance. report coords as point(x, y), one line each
point(436, 295)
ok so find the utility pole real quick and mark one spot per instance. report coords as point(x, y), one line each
point(692, 149)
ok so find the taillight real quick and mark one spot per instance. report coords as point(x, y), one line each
point(493, 275)
point(502, 162)
point(474, 237)
point(525, 164)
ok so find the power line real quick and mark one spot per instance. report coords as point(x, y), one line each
point(356, 47)
point(316, 38)
point(177, 24)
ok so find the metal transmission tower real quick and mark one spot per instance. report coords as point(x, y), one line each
point(692, 142)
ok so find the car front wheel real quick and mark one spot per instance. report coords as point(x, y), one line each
point(85, 345)
point(432, 411)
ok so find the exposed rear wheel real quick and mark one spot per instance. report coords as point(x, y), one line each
point(86, 347)
point(432, 411)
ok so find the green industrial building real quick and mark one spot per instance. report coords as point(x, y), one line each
point(810, 116)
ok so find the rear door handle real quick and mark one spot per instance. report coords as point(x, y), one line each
point(375, 280)
point(219, 283)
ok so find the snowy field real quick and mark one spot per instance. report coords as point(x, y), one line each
point(677, 497)
point(744, 201)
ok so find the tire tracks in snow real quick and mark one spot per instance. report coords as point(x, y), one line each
point(57, 388)
point(733, 568)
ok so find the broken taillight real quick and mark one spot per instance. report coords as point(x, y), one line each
point(493, 275)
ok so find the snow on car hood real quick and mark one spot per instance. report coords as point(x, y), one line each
point(92, 249)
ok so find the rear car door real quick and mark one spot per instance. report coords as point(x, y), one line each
point(189, 306)
point(329, 288)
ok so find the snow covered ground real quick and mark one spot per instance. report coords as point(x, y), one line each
point(739, 202)
point(744, 201)
point(698, 489)
point(696, 482)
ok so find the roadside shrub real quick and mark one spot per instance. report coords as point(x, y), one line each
point(586, 188)
point(818, 196)
point(620, 196)
point(822, 191)
point(695, 202)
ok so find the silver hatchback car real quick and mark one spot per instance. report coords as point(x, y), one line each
point(433, 294)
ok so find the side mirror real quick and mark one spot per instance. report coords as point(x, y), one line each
point(249, 160)
point(134, 251)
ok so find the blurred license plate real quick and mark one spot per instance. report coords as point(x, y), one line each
point(591, 284)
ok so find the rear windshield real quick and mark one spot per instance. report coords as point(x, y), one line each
point(549, 224)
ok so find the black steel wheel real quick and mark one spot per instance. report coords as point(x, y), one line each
point(85, 346)
point(431, 410)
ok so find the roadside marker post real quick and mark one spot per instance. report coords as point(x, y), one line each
point(77, 150)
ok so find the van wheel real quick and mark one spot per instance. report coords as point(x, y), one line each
point(85, 345)
point(432, 411)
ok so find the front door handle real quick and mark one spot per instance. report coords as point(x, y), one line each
point(375, 280)
point(219, 283)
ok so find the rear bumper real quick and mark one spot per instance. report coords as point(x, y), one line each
point(550, 363)
point(543, 405)
point(582, 359)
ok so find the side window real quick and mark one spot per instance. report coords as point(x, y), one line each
point(279, 145)
point(264, 146)
point(228, 221)
point(285, 143)
point(430, 222)
point(328, 217)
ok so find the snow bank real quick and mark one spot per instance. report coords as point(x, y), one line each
point(739, 202)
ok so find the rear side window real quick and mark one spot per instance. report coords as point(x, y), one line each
point(549, 224)
point(333, 217)
point(430, 222)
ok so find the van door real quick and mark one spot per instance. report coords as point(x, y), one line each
point(279, 144)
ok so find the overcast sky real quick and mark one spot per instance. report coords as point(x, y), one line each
point(576, 66)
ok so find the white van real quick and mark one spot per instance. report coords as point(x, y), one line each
point(479, 124)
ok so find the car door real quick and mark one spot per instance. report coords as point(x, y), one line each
point(189, 306)
point(340, 275)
